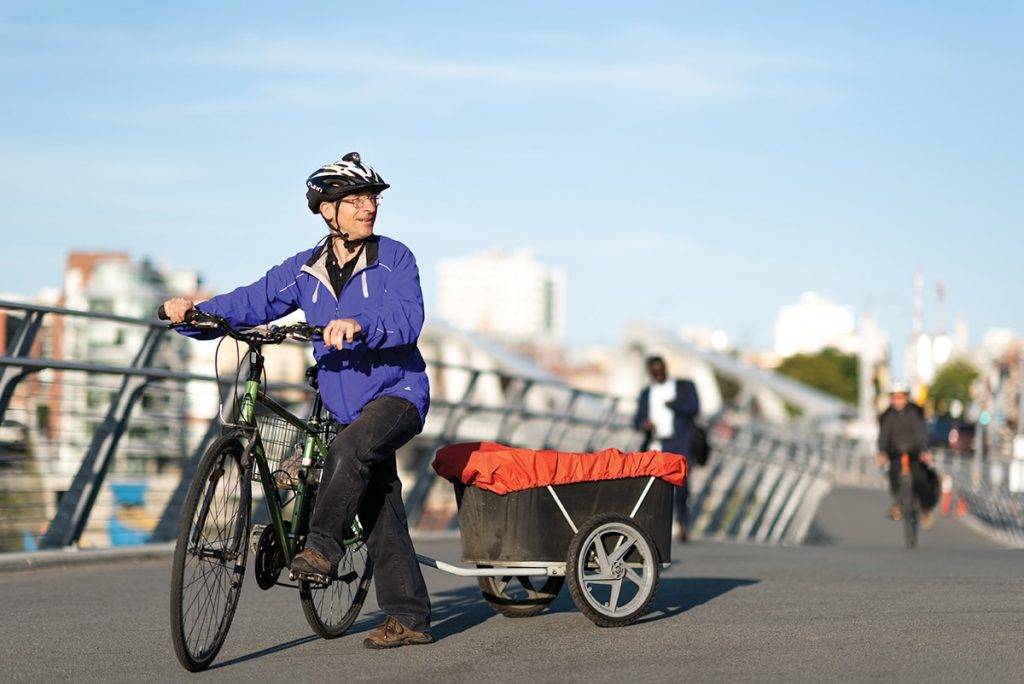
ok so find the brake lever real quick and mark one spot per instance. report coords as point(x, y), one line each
point(196, 325)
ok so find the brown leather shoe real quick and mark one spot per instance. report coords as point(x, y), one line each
point(311, 564)
point(393, 633)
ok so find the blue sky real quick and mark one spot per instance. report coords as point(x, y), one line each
point(685, 163)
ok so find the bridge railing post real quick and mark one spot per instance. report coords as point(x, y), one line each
point(75, 506)
point(19, 346)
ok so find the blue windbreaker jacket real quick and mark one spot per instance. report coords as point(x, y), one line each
point(383, 295)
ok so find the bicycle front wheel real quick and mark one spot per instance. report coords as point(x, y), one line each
point(209, 557)
point(331, 610)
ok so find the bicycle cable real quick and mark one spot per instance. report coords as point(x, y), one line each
point(236, 405)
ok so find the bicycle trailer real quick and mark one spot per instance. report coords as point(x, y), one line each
point(530, 520)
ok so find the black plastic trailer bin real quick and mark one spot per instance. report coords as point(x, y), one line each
point(609, 538)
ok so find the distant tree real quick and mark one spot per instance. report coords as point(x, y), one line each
point(953, 381)
point(830, 371)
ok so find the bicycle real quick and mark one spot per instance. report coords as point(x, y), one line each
point(285, 454)
point(909, 506)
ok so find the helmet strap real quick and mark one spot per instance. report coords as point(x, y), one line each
point(336, 230)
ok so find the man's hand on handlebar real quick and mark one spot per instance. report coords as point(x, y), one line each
point(881, 458)
point(182, 311)
point(177, 307)
point(339, 331)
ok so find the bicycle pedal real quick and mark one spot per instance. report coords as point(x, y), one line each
point(311, 577)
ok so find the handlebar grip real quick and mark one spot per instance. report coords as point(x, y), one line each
point(190, 315)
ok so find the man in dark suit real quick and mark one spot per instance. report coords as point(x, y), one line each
point(665, 412)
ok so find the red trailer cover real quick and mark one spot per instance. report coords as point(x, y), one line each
point(502, 469)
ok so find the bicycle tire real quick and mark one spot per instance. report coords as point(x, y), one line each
point(227, 508)
point(331, 610)
point(908, 506)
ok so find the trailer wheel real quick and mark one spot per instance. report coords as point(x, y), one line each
point(613, 570)
point(517, 596)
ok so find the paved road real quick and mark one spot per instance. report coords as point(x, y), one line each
point(855, 606)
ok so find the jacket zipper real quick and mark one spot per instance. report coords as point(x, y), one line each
point(362, 276)
point(337, 311)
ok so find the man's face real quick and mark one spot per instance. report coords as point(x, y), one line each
point(353, 215)
point(657, 371)
point(899, 400)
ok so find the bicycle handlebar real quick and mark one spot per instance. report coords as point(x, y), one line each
point(274, 334)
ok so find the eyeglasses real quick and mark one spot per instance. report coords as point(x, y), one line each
point(358, 200)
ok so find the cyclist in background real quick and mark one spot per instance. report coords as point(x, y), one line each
point(902, 431)
point(364, 289)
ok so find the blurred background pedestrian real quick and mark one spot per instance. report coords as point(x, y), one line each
point(665, 412)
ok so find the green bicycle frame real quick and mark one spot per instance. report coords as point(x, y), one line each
point(314, 449)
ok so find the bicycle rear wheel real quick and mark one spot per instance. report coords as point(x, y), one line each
point(331, 610)
point(908, 506)
point(210, 554)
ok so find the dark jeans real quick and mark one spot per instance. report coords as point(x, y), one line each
point(922, 488)
point(682, 496)
point(361, 477)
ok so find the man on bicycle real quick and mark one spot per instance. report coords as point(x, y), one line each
point(364, 289)
point(902, 431)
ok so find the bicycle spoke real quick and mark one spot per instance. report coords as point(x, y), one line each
point(613, 600)
point(622, 547)
point(634, 577)
point(203, 616)
point(601, 556)
point(332, 604)
point(211, 590)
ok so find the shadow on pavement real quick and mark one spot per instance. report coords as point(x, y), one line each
point(679, 594)
point(457, 610)
point(267, 651)
point(451, 612)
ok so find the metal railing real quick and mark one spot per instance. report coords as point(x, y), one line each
point(761, 485)
point(98, 442)
point(96, 450)
point(984, 486)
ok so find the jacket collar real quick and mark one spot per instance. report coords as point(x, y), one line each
point(316, 265)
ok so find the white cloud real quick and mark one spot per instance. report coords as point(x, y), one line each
point(302, 73)
point(683, 68)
